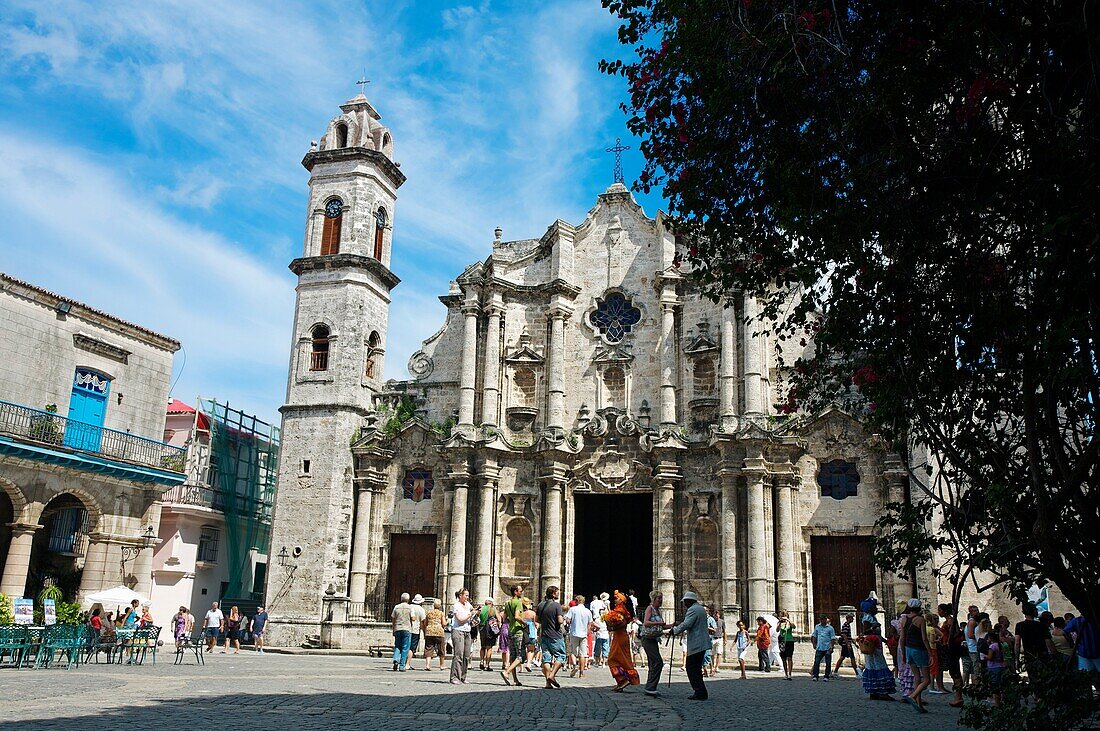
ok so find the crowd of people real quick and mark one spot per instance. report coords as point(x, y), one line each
point(586, 633)
point(924, 646)
point(912, 653)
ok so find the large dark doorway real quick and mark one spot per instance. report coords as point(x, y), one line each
point(412, 567)
point(843, 573)
point(613, 544)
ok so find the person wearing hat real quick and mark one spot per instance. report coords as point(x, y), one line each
point(418, 615)
point(878, 679)
point(698, 642)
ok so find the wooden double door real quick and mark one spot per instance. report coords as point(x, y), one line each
point(412, 567)
point(843, 573)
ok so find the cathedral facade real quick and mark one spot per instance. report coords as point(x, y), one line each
point(582, 418)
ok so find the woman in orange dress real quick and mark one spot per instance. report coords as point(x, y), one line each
point(620, 660)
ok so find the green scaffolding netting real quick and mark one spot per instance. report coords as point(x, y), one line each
point(244, 452)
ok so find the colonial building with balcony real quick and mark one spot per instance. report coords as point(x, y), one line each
point(82, 464)
point(215, 528)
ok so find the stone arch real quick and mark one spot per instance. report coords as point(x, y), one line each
point(95, 513)
point(704, 549)
point(518, 549)
point(18, 499)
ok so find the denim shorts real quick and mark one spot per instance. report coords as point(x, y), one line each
point(553, 650)
point(599, 648)
point(916, 657)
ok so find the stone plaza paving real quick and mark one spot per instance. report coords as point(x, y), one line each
point(306, 692)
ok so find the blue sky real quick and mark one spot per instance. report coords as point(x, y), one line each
point(150, 155)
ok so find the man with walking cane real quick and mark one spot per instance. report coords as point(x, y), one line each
point(698, 642)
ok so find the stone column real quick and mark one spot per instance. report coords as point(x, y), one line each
point(18, 562)
point(728, 474)
point(727, 342)
point(360, 542)
point(758, 550)
point(468, 378)
point(143, 570)
point(786, 572)
point(754, 358)
point(143, 561)
point(483, 558)
point(664, 513)
point(456, 560)
point(490, 381)
point(555, 417)
point(554, 484)
point(669, 303)
point(895, 476)
point(92, 578)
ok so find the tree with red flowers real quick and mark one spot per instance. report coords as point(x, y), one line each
point(914, 187)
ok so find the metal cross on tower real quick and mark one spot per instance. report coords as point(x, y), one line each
point(362, 83)
point(618, 150)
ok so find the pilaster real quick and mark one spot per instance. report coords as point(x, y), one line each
point(468, 376)
point(666, 479)
point(755, 473)
point(486, 522)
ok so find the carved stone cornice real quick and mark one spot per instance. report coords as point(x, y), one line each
point(101, 347)
point(334, 262)
point(340, 154)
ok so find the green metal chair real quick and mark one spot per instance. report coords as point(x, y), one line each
point(15, 640)
point(143, 641)
point(67, 639)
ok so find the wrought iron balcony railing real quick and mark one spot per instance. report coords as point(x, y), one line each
point(204, 496)
point(23, 422)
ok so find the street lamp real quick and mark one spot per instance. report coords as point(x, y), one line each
point(129, 553)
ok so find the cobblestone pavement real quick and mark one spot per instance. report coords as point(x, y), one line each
point(301, 693)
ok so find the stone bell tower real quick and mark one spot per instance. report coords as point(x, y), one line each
point(336, 363)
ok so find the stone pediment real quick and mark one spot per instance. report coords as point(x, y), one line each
point(524, 354)
point(702, 343)
point(617, 353)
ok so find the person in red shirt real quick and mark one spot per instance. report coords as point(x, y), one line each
point(96, 622)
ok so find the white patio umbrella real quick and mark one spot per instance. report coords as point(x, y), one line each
point(118, 596)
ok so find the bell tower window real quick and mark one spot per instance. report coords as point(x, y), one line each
point(334, 221)
point(341, 135)
point(379, 232)
point(318, 357)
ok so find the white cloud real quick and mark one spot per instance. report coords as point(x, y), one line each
point(97, 240)
point(495, 118)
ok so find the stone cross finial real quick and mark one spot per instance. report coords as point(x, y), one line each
point(618, 150)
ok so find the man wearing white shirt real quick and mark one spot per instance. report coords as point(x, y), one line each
point(212, 626)
point(578, 618)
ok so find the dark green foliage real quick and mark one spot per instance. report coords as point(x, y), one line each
point(1052, 696)
point(914, 187)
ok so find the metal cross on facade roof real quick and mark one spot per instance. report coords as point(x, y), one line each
point(618, 150)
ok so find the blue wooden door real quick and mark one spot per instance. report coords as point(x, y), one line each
point(87, 410)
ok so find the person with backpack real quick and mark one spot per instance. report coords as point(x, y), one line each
point(488, 620)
